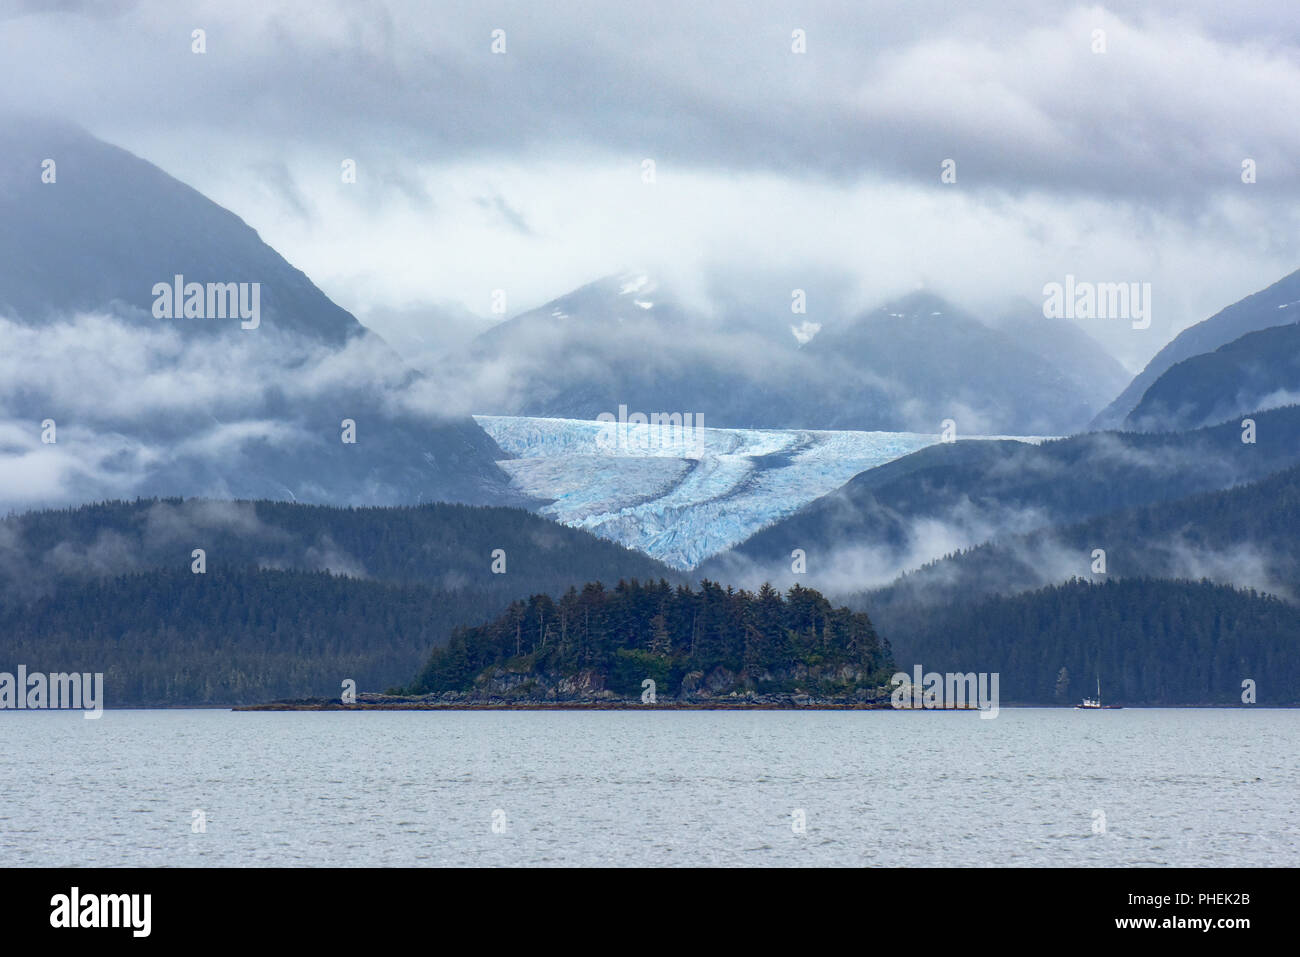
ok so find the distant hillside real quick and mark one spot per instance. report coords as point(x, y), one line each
point(169, 638)
point(914, 362)
point(1150, 642)
point(294, 598)
point(445, 546)
point(1081, 360)
point(1261, 370)
point(952, 496)
point(1244, 535)
point(1269, 307)
point(112, 225)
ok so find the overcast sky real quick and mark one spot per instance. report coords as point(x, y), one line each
point(523, 171)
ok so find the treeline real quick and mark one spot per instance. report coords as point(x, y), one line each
point(234, 636)
point(1151, 642)
point(1251, 525)
point(292, 600)
point(243, 636)
point(443, 545)
point(726, 639)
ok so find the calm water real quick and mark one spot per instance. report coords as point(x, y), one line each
point(684, 788)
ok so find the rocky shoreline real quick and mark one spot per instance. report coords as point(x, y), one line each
point(460, 701)
point(511, 689)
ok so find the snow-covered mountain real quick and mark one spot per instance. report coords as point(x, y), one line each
point(628, 340)
point(907, 366)
point(108, 388)
point(1085, 367)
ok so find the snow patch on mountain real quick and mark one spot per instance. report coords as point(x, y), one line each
point(634, 283)
point(805, 331)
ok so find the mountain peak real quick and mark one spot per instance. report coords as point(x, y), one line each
point(635, 283)
point(919, 304)
point(1275, 305)
point(92, 227)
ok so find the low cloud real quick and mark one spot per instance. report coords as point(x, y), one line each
point(130, 399)
point(1112, 166)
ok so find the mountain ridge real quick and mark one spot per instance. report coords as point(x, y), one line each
point(1259, 310)
point(302, 402)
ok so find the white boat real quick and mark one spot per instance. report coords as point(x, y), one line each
point(1094, 704)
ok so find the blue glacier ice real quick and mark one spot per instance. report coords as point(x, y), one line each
point(691, 495)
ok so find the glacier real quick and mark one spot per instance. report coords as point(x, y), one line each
point(683, 501)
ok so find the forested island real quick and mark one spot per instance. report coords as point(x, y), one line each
point(1157, 642)
point(655, 644)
